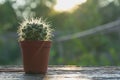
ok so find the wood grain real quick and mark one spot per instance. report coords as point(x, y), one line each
point(62, 72)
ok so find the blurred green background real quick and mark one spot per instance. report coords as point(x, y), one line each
point(100, 49)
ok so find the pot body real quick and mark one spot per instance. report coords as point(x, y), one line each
point(35, 56)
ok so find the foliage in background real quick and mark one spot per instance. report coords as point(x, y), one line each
point(100, 49)
point(8, 18)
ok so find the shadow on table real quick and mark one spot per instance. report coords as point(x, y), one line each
point(34, 77)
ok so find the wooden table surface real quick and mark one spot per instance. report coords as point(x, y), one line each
point(61, 72)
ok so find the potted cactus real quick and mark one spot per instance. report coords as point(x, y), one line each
point(34, 36)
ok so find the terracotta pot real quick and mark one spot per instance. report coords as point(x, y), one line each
point(35, 56)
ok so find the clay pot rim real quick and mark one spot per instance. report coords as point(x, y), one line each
point(34, 41)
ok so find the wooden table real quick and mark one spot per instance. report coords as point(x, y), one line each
point(62, 73)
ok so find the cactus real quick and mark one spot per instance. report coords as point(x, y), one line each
point(34, 29)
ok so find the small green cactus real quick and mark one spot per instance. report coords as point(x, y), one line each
point(34, 29)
